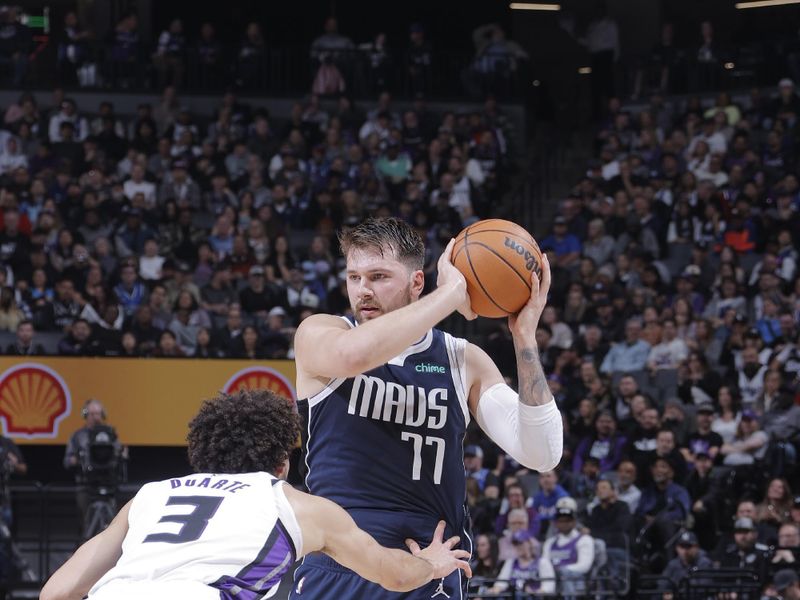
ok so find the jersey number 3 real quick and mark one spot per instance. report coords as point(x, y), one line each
point(193, 523)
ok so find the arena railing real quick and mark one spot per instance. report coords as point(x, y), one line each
point(739, 583)
point(45, 529)
point(286, 71)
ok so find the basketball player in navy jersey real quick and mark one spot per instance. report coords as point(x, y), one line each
point(388, 399)
point(233, 529)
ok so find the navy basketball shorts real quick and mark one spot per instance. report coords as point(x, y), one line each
point(319, 577)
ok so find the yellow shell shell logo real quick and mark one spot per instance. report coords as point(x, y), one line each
point(33, 400)
point(258, 378)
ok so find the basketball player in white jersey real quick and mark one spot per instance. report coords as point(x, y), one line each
point(234, 528)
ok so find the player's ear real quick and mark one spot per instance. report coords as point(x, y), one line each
point(417, 282)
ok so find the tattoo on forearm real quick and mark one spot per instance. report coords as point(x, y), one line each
point(533, 388)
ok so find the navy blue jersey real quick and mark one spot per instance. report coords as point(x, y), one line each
point(388, 445)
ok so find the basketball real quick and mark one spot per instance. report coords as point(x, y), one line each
point(497, 257)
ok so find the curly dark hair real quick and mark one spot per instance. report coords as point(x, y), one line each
point(250, 430)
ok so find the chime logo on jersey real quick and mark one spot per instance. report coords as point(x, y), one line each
point(430, 368)
point(253, 378)
point(414, 406)
point(33, 401)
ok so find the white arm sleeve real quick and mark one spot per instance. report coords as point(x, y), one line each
point(531, 435)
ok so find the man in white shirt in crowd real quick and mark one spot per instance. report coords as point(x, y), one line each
point(626, 488)
point(138, 184)
point(670, 352)
point(569, 554)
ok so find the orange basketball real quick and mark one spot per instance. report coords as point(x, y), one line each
point(497, 258)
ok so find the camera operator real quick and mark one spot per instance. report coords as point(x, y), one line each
point(78, 455)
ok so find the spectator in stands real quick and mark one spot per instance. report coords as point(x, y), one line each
point(566, 246)
point(226, 337)
point(664, 505)
point(749, 444)
point(666, 447)
point(517, 521)
point(151, 262)
point(168, 346)
point(138, 184)
point(12, 156)
point(610, 520)
point(703, 441)
point(605, 444)
point(487, 481)
point(25, 345)
point(705, 490)
point(786, 583)
point(67, 113)
point(169, 58)
point(728, 414)
point(16, 44)
point(544, 501)
point(79, 341)
point(776, 506)
point(522, 572)
point(643, 442)
point(629, 355)
point(746, 552)
point(218, 294)
point(787, 551)
point(250, 56)
point(515, 498)
point(486, 564)
point(690, 557)
point(626, 486)
point(130, 292)
point(670, 352)
point(11, 314)
point(419, 59)
point(332, 44)
point(569, 554)
point(14, 243)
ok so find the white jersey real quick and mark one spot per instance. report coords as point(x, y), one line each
point(205, 536)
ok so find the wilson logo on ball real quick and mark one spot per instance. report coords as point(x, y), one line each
point(33, 401)
point(260, 378)
point(530, 260)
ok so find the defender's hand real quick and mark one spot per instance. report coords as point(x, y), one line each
point(441, 555)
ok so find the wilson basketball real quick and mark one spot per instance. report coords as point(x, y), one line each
point(497, 258)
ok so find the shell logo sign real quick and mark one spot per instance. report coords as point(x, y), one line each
point(33, 401)
point(260, 378)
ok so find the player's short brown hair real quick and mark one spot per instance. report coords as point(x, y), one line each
point(244, 432)
point(382, 234)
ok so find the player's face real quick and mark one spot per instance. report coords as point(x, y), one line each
point(377, 284)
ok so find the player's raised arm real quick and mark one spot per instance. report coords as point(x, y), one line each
point(74, 579)
point(325, 346)
point(527, 425)
point(328, 528)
